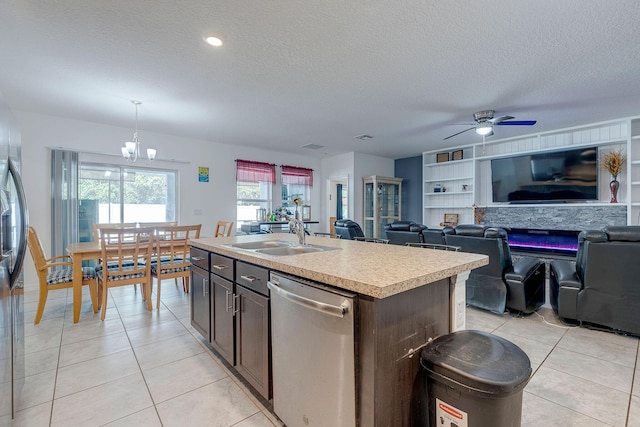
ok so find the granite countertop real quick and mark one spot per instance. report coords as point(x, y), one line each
point(372, 269)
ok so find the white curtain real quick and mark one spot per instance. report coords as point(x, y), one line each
point(64, 200)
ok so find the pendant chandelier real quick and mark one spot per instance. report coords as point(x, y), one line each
point(131, 149)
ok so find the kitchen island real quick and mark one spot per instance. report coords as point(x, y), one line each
point(405, 296)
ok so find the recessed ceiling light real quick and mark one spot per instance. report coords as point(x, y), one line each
point(213, 41)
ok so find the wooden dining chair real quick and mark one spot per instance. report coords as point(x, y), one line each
point(54, 273)
point(223, 229)
point(98, 226)
point(126, 253)
point(172, 258)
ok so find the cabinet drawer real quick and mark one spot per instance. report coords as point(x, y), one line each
point(200, 258)
point(222, 266)
point(252, 277)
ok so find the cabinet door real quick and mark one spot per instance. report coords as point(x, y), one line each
point(222, 325)
point(253, 340)
point(199, 294)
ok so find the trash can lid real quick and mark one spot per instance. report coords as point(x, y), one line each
point(479, 360)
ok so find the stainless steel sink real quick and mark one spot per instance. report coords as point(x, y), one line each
point(295, 250)
point(261, 245)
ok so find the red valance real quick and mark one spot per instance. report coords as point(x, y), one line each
point(248, 170)
point(296, 175)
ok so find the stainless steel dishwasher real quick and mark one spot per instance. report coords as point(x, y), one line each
point(313, 353)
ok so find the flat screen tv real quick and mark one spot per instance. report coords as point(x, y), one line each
point(561, 176)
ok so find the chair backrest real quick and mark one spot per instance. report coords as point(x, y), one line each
point(124, 248)
point(37, 252)
point(486, 241)
point(172, 243)
point(97, 227)
point(433, 236)
point(609, 258)
point(348, 229)
point(157, 224)
point(403, 232)
point(223, 229)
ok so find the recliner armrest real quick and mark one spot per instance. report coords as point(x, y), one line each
point(565, 273)
point(522, 270)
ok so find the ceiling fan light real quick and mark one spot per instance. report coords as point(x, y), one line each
point(151, 153)
point(484, 130)
point(125, 152)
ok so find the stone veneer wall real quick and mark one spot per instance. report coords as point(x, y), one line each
point(556, 217)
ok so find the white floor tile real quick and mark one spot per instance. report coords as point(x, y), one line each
point(91, 373)
point(96, 347)
point(173, 349)
point(102, 404)
point(145, 418)
point(176, 378)
point(220, 404)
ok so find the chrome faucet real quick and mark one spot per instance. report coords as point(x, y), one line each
point(297, 226)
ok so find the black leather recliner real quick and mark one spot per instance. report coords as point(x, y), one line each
point(602, 286)
point(348, 229)
point(519, 287)
point(403, 232)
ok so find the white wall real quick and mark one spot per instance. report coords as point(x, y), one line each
point(340, 167)
point(216, 200)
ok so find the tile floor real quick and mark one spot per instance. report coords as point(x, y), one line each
point(140, 368)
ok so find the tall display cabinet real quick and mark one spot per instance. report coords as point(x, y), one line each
point(382, 201)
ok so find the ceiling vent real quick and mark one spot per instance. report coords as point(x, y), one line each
point(363, 137)
point(313, 146)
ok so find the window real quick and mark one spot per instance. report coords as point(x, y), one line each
point(112, 194)
point(254, 183)
point(296, 182)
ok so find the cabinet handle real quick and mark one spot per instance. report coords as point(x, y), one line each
point(249, 279)
point(204, 287)
point(236, 307)
point(197, 258)
point(219, 266)
point(229, 306)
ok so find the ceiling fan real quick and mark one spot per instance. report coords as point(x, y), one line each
point(485, 123)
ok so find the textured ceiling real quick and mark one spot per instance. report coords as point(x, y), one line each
point(293, 73)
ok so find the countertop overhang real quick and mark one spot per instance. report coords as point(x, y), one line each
point(372, 269)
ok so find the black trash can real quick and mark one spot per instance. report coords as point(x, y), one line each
point(474, 379)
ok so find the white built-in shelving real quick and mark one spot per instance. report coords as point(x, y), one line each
point(474, 169)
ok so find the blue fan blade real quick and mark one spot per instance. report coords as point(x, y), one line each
point(516, 123)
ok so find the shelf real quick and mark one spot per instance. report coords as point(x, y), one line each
point(449, 162)
point(448, 179)
point(448, 193)
point(448, 207)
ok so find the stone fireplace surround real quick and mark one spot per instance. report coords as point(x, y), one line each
point(552, 228)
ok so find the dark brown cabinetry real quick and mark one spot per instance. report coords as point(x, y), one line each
point(237, 315)
point(222, 316)
point(199, 292)
point(253, 337)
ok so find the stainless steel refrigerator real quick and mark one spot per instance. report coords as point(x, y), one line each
point(13, 245)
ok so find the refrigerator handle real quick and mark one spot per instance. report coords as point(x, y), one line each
point(24, 218)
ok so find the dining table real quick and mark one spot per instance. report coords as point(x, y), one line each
point(79, 252)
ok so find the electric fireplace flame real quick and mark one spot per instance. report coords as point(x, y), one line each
point(544, 241)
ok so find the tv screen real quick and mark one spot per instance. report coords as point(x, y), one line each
point(570, 175)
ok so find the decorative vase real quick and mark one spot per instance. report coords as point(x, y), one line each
point(614, 185)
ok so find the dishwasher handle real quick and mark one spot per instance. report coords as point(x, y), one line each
point(336, 311)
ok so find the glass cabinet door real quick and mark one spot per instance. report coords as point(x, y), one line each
point(381, 204)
